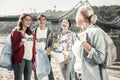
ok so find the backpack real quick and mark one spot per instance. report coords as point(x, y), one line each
point(110, 50)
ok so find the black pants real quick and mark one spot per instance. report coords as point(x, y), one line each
point(78, 76)
point(25, 67)
point(50, 76)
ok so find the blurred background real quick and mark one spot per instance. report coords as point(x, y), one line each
point(108, 12)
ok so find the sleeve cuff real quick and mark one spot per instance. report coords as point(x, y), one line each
point(91, 53)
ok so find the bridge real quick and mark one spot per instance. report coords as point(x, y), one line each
point(101, 22)
point(57, 20)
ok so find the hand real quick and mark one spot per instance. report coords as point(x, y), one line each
point(56, 45)
point(65, 55)
point(48, 51)
point(34, 66)
point(22, 42)
point(82, 36)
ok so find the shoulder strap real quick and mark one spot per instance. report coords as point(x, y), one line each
point(48, 32)
point(35, 31)
point(48, 38)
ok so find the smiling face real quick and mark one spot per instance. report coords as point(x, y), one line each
point(41, 20)
point(26, 22)
point(65, 24)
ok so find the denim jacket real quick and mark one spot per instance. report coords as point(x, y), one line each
point(92, 68)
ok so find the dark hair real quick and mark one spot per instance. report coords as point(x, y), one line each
point(40, 15)
point(28, 30)
point(68, 21)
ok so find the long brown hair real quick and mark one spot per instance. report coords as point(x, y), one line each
point(28, 30)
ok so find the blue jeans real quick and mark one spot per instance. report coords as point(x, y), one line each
point(24, 67)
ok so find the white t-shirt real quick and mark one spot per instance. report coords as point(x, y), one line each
point(41, 36)
point(28, 44)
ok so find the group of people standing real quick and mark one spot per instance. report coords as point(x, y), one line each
point(83, 62)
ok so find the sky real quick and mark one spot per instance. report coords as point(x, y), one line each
point(15, 7)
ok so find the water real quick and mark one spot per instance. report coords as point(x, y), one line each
point(3, 39)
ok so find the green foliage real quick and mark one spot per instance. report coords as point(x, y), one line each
point(108, 13)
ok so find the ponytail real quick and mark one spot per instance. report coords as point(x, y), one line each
point(93, 19)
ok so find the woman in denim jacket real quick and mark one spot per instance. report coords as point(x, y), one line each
point(93, 46)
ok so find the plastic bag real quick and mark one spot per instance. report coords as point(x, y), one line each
point(6, 54)
point(59, 57)
point(57, 54)
point(43, 67)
